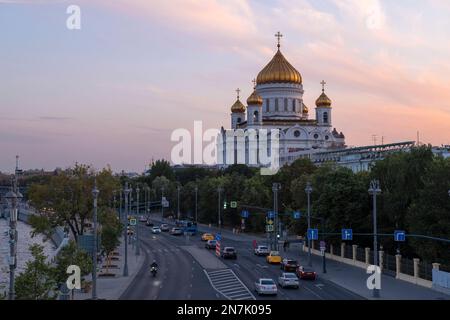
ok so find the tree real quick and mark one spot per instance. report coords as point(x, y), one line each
point(66, 200)
point(110, 234)
point(161, 168)
point(37, 281)
point(71, 255)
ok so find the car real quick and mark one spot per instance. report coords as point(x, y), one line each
point(262, 250)
point(164, 227)
point(156, 230)
point(289, 265)
point(207, 236)
point(288, 279)
point(176, 231)
point(142, 219)
point(148, 223)
point(273, 257)
point(265, 286)
point(306, 273)
point(229, 253)
point(210, 244)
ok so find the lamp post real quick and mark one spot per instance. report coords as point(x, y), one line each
point(95, 193)
point(308, 191)
point(12, 198)
point(275, 188)
point(138, 251)
point(178, 201)
point(196, 206)
point(374, 190)
point(219, 222)
point(162, 204)
point(126, 193)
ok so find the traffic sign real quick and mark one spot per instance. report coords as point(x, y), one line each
point(224, 204)
point(270, 222)
point(271, 214)
point(244, 214)
point(164, 202)
point(133, 222)
point(297, 214)
point(269, 227)
point(347, 234)
point(233, 204)
point(313, 234)
point(322, 245)
point(218, 236)
point(399, 235)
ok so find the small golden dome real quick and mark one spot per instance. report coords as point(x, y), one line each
point(254, 99)
point(323, 100)
point(305, 109)
point(238, 107)
point(279, 70)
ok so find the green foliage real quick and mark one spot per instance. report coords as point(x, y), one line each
point(71, 255)
point(111, 231)
point(37, 281)
point(161, 168)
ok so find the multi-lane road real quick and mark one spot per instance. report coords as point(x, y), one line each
point(189, 271)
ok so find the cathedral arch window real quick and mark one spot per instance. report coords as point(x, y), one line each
point(267, 105)
point(293, 105)
point(316, 136)
point(276, 104)
point(285, 104)
point(239, 120)
point(296, 133)
point(325, 117)
point(327, 137)
point(255, 116)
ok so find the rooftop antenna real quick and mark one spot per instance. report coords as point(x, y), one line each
point(418, 138)
point(374, 139)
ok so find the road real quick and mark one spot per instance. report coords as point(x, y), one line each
point(180, 276)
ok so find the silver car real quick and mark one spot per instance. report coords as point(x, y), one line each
point(156, 230)
point(266, 286)
point(288, 279)
point(262, 250)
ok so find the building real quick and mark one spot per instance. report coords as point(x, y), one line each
point(276, 103)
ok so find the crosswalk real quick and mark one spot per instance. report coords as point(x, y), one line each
point(229, 285)
point(163, 250)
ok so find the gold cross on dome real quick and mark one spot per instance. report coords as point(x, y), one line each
point(238, 91)
point(254, 83)
point(278, 35)
point(323, 83)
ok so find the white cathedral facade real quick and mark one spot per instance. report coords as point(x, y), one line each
point(277, 104)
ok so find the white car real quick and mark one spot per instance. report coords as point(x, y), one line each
point(262, 250)
point(142, 219)
point(266, 286)
point(288, 279)
point(156, 230)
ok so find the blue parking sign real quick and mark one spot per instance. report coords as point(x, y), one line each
point(218, 236)
point(313, 234)
point(244, 214)
point(399, 235)
point(270, 214)
point(297, 214)
point(347, 234)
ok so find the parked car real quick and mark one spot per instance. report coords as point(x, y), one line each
point(149, 223)
point(288, 279)
point(229, 253)
point(306, 273)
point(176, 231)
point(265, 286)
point(207, 236)
point(273, 257)
point(164, 227)
point(156, 230)
point(262, 250)
point(289, 265)
point(210, 244)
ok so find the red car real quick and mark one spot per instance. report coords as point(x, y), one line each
point(305, 273)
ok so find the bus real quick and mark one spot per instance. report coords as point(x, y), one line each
point(187, 226)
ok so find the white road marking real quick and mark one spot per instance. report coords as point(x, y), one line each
point(305, 287)
point(226, 282)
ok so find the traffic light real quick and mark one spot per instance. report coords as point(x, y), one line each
point(224, 204)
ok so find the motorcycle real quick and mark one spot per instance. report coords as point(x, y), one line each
point(153, 270)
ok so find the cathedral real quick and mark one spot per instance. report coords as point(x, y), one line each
point(277, 103)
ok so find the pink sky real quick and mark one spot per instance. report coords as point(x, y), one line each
point(114, 91)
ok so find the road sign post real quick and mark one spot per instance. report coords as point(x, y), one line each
point(347, 234)
point(399, 235)
point(313, 234)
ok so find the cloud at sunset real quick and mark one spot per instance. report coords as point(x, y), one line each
point(140, 68)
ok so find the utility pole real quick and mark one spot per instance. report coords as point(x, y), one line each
point(162, 204)
point(275, 188)
point(95, 193)
point(126, 192)
point(138, 251)
point(178, 201)
point(308, 191)
point(219, 222)
point(375, 190)
point(196, 205)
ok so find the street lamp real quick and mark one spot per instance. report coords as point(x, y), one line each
point(374, 190)
point(95, 193)
point(138, 251)
point(178, 200)
point(196, 206)
point(12, 199)
point(126, 193)
point(308, 191)
point(162, 204)
point(275, 188)
point(219, 191)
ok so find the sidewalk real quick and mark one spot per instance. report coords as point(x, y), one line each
point(112, 288)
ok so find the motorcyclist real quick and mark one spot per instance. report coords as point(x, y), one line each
point(154, 265)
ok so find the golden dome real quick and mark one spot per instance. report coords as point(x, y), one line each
point(323, 100)
point(305, 109)
point(254, 99)
point(279, 70)
point(238, 107)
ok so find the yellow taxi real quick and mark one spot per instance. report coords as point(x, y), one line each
point(207, 236)
point(273, 257)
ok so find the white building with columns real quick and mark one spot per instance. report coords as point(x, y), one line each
point(277, 103)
